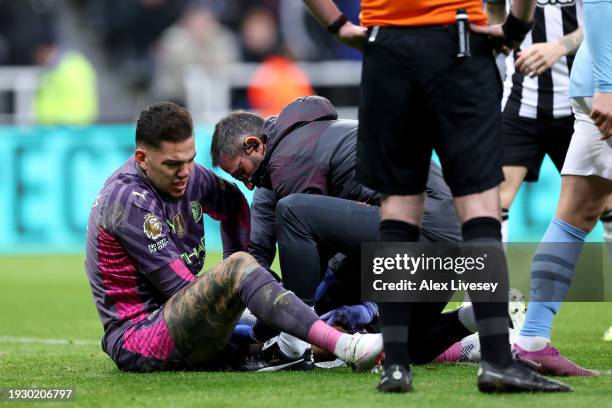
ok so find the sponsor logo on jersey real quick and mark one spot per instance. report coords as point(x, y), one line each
point(196, 211)
point(152, 226)
point(561, 3)
point(142, 195)
point(197, 253)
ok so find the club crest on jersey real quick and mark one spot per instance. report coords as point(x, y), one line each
point(561, 3)
point(196, 211)
point(152, 226)
point(178, 225)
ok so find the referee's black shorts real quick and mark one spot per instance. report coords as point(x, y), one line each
point(525, 141)
point(415, 96)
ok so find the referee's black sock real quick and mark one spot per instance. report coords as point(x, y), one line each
point(398, 231)
point(491, 317)
point(395, 317)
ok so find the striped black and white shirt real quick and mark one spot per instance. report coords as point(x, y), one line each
point(546, 95)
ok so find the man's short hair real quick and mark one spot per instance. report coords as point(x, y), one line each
point(230, 132)
point(163, 122)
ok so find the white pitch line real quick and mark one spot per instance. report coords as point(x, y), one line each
point(55, 342)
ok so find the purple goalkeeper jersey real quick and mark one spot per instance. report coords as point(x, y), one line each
point(142, 247)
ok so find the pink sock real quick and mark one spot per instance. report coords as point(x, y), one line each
point(451, 355)
point(323, 336)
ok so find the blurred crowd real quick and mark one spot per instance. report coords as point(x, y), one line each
point(144, 49)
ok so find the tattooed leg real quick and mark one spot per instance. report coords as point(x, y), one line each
point(202, 315)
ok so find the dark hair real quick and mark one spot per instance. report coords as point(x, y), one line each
point(163, 122)
point(230, 132)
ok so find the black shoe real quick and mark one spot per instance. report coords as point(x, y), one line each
point(515, 378)
point(271, 358)
point(395, 379)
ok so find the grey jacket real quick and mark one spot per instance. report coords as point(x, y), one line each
point(310, 150)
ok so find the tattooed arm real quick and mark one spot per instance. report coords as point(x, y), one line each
point(541, 56)
point(572, 41)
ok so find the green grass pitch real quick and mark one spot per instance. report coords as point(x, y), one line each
point(47, 298)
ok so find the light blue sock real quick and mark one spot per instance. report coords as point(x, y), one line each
point(552, 271)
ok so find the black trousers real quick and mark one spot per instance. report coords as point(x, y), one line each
point(311, 229)
point(417, 96)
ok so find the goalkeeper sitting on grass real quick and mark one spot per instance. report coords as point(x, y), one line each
point(145, 246)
